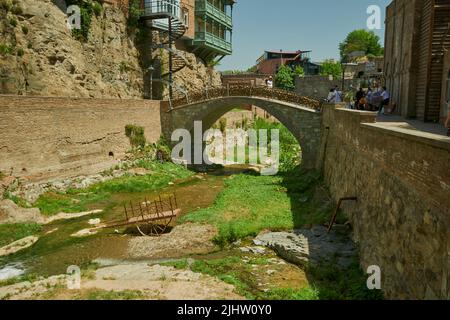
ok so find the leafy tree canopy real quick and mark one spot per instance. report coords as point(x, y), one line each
point(331, 67)
point(298, 71)
point(285, 78)
point(361, 40)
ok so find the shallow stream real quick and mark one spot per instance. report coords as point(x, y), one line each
point(56, 249)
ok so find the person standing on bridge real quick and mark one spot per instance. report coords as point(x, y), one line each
point(338, 95)
point(386, 100)
point(331, 96)
point(269, 82)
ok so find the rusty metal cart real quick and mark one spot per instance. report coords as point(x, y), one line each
point(151, 218)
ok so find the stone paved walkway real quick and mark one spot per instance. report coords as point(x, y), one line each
point(416, 125)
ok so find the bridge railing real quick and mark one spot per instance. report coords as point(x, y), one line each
point(245, 91)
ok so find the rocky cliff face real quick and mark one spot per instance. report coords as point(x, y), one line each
point(40, 56)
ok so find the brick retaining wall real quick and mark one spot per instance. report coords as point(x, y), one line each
point(402, 218)
point(43, 137)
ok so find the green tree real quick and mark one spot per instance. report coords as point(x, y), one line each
point(331, 68)
point(298, 71)
point(252, 69)
point(284, 78)
point(361, 40)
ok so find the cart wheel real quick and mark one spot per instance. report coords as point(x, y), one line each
point(154, 230)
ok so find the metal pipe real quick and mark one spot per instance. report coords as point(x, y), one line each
point(333, 218)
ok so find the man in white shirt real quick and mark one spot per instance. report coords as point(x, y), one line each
point(386, 99)
point(269, 82)
point(331, 96)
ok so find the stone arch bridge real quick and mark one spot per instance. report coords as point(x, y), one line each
point(301, 115)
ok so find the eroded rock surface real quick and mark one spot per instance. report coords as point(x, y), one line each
point(312, 246)
point(12, 213)
point(18, 245)
point(46, 60)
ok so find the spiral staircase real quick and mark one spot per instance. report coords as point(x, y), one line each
point(164, 16)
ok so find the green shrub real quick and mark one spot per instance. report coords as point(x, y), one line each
point(87, 10)
point(97, 8)
point(5, 49)
point(20, 52)
point(223, 124)
point(285, 78)
point(134, 14)
point(136, 135)
point(6, 5)
point(25, 29)
point(123, 67)
point(17, 9)
point(13, 22)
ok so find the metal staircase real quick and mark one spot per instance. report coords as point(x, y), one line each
point(165, 17)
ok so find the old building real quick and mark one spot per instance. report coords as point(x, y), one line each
point(271, 61)
point(417, 58)
point(208, 24)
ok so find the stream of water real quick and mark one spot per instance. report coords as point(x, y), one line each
point(56, 249)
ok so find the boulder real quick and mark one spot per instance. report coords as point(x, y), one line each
point(18, 245)
point(12, 213)
point(310, 246)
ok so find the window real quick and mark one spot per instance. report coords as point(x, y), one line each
point(186, 17)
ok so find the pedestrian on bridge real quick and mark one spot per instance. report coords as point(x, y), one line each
point(269, 82)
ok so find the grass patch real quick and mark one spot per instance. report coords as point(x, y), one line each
point(135, 134)
point(233, 271)
point(289, 147)
point(6, 49)
point(250, 204)
point(336, 284)
point(78, 200)
point(21, 202)
point(179, 264)
point(24, 278)
point(13, 232)
point(291, 294)
point(115, 295)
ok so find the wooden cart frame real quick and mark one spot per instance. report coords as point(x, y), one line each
point(151, 218)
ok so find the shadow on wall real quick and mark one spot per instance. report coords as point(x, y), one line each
point(333, 267)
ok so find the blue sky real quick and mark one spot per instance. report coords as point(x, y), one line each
point(317, 25)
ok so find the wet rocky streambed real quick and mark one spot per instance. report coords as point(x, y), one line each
point(184, 263)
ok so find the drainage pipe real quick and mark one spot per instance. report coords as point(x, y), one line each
point(333, 219)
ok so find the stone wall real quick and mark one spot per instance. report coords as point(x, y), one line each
point(43, 138)
point(318, 87)
point(402, 180)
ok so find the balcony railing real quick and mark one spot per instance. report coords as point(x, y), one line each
point(204, 7)
point(214, 41)
point(162, 8)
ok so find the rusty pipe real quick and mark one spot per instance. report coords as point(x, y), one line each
point(333, 218)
